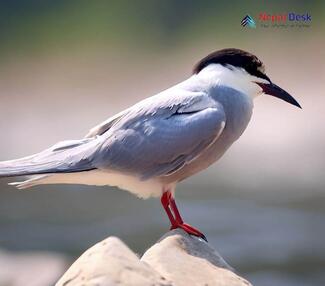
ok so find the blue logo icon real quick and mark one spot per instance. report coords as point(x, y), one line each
point(248, 21)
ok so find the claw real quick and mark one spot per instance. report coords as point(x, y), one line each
point(190, 230)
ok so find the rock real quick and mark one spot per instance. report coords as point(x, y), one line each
point(30, 268)
point(188, 260)
point(177, 259)
point(109, 263)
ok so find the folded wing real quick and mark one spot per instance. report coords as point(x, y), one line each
point(63, 157)
point(162, 136)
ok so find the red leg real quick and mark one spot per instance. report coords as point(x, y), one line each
point(165, 198)
point(174, 208)
point(174, 216)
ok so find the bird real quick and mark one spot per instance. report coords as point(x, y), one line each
point(148, 148)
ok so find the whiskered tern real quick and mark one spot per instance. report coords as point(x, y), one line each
point(151, 146)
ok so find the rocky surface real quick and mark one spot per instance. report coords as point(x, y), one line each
point(177, 259)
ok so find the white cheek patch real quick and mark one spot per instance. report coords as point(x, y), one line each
point(239, 79)
point(258, 90)
point(233, 77)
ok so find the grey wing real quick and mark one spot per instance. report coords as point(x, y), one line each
point(106, 125)
point(63, 157)
point(162, 141)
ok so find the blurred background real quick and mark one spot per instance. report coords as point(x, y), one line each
point(67, 65)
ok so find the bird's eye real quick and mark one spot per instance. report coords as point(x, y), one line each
point(261, 68)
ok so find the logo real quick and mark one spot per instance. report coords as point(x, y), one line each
point(278, 20)
point(292, 17)
point(248, 21)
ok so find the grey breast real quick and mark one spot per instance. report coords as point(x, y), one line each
point(238, 109)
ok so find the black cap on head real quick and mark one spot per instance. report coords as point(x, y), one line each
point(251, 64)
point(236, 58)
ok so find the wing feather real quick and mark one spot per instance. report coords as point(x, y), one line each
point(161, 136)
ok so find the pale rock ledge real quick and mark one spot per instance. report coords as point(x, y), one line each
point(177, 259)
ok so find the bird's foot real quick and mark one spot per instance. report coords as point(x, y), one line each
point(190, 230)
point(175, 218)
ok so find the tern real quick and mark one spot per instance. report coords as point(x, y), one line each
point(160, 141)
